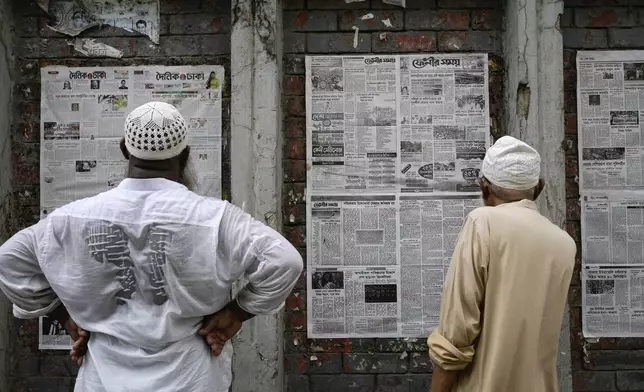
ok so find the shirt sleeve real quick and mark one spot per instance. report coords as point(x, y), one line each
point(451, 345)
point(267, 260)
point(21, 278)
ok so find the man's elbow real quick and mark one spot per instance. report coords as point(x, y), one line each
point(292, 262)
point(446, 355)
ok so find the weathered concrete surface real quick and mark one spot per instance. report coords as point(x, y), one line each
point(255, 178)
point(6, 86)
point(533, 46)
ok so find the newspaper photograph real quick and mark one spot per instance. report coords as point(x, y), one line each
point(613, 301)
point(394, 148)
point(52, 335)
point(611, 139)
point(83, 113)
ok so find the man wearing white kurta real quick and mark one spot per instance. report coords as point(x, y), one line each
point(506, 289)
point(144, 271)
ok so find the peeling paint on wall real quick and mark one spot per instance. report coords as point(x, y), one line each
point(523, 101)
point(72, 17)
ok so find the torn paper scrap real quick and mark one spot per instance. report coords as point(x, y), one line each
point(72, 17)
point(44, 4)
point(399, 3)
point(355, 36)
point(91, 48)
point(366, 16)
point(387, 23)
point(353, 1)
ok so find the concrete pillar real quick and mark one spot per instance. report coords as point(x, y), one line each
point(533, 106)
point(256, 179)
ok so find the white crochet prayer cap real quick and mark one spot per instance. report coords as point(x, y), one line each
point(512, 164)
point(155, 131)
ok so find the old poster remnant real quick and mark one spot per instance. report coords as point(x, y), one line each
point(82, 123)
point(394, 148)
point(610, 91)
point(90, 48)
point(72, 17)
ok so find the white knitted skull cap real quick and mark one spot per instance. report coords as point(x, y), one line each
point(512, 164)
point(155, 131)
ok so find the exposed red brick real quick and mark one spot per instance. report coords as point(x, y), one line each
point(301, 281)
point(486, 20)
point(569, 144)
point(294, 215)
point(295, 128)
point(570, 102)
point(573, 211)
point(574, 296)
point(293, 193)
point(572, 166)
point(29, 131)
point(296, 235)
point(574, 229)
point(295, 321)
point(570, 123)
point(296, 106)
point(25, 163)
point(296, 301)
point(294, 85)
point(572, 188)
point(405, 42)
point(294, 170)
point(570, 79)
point(300, 19)
point(295, 149)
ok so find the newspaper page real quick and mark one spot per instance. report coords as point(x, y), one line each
point(83, 113)
point(612, 267)
point(444, 122)
point(610, 102)
point(610, 105)
point(394, 144)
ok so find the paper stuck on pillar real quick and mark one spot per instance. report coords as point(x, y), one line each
point(72, 17)
point(399, 3)
point(91, 48)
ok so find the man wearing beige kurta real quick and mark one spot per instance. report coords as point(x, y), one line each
point(505, 292)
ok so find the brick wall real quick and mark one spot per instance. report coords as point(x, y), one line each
point(325, 27)
point(192, 32)
point(610, 364)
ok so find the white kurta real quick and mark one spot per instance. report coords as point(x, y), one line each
point(139, 267)
point(503, 301)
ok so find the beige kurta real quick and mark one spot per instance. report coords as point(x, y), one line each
point(503, 301)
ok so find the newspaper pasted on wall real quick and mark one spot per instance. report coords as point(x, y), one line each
point(395, 145)
point(72, 17)
point(610, 106)
point(83, 113)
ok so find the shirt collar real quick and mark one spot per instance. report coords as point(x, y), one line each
point(149, 184)
point(525, 203)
